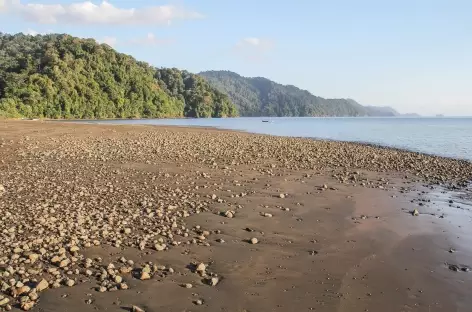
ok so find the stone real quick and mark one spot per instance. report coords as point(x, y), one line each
point(198, 302)
point(42, 285)
point(415, 213)
point(4, 301)
point(64, 263)
point(33, 257)
point(144, 276)
point(254, 240)
point(118, 279)
point(70, 282)
point(213, 281)
point(160, 247)
point(281, 195)
point(136, 309)
point(201, 267)
point(33, 295)
point(21, 290)
point(74, 249)
point(26, 306)
point(188, 285)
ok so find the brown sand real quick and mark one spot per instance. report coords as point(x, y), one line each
point(346, 248)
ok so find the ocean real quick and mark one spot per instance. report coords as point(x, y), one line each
point(448, 137)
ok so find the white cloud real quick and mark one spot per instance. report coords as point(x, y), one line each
point(95, 14)
point(33, 32)
point(111, 41)
point(253, 49)
point(151, 39)
point(255, 43)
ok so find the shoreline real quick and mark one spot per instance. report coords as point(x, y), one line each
point(365, 143)
point(319, 139)
point(333, 221)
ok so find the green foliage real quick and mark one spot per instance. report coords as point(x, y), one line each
point(60, 76)
point(201, 99)
point(263, 97)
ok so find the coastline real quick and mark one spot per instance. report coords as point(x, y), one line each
point(341, 237)
point(317, 138)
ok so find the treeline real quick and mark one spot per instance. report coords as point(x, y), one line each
point(60, 76)
point(263, 97)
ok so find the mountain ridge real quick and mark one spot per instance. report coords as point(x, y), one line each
point(260, 96)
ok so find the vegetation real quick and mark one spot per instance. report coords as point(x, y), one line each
point(60, 76)
point(262, 97)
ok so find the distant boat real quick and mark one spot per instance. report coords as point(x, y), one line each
point(265, 121)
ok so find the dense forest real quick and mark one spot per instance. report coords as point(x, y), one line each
point(60, 76)
point(262, 97)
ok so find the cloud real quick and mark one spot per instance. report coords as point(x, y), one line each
point(253, 48)
point(253, 43)
point(111, 41)
point(105, 13)
point(33, 32)
point(151, 39)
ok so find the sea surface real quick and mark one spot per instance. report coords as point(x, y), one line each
point(449, 137)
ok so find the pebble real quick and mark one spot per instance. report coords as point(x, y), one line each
point(4, 301)
point(81, 200)
point(201, 267)
point(160, 247)
point(26, 306)
point(254, 240)
point(42, 285)
point(144, 276)
point(213, 281)
point(136, 309)
point(229, 214)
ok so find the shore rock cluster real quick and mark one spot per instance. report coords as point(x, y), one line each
point(69, 192)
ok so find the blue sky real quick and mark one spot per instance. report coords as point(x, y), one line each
point(414, 55)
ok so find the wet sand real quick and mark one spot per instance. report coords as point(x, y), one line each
point(340, 238)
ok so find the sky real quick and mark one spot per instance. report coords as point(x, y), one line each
point(413, 55)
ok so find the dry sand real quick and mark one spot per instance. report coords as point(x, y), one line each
point(333, 222)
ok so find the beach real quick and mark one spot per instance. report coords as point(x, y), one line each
point(155, 218)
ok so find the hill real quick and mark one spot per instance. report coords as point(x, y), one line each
point(263, 97)
point(60, 76)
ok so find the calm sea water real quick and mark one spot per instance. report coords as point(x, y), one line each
point(450, 137)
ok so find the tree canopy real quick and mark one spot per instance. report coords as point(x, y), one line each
point(60, 76)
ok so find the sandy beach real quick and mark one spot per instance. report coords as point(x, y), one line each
point(148, 218)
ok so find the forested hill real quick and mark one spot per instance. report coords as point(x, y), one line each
point(60, 76)
point(262, 97)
